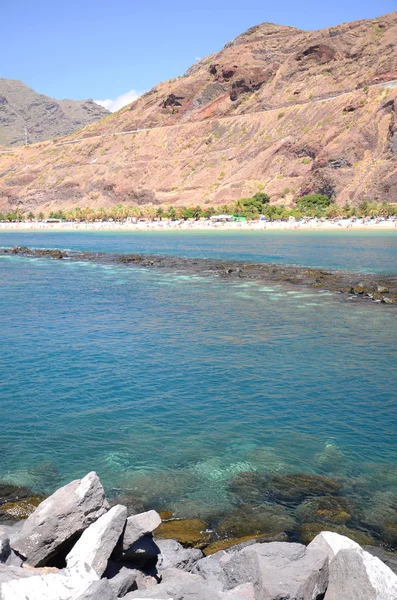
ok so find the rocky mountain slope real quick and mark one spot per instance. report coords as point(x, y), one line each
point(43, 117)
point(278, 109)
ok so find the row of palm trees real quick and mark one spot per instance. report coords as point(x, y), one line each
point(121, 212)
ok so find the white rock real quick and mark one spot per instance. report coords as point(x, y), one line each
point(331, 543)
point(98, 541)
point(139, 525)
point(53, 586)
point(356, 575)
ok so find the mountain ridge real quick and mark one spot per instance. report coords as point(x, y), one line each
point(26, 115)
point(278, 108)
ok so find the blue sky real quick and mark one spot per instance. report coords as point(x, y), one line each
point(97, 49)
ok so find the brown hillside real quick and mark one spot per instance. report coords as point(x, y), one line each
point(291, 110)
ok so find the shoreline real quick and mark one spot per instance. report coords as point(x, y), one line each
point(373, 288)
point(260, 226)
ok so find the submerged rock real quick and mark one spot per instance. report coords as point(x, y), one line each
point(326, 509)
point(13, 493)
point(248, 521)
point(238, 543)
point(189, 532)
point(23, 508)
point(298, 486)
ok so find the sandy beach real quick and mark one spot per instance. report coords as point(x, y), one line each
point(378, 224)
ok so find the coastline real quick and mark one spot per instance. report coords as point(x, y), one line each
point(165, 225)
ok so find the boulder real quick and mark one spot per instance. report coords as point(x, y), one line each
point(98, 541)
point(331, 543)
point(210, 568)
point(173, 554)
point(389, 558)
point(357, 575)
point(179, 585)
point(64, 585)
point(59, 519)
point(138, 526)
point(278, 570)
point(97, 590)
point(122, 580)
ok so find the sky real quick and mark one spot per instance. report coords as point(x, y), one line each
point(114, 50)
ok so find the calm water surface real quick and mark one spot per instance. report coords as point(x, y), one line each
point(374, 251)
point(171, 385)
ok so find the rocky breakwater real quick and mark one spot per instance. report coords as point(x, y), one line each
point(352, 286)
point(76, 547)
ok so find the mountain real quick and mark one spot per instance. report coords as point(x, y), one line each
point(25, 114)
point(278, 109)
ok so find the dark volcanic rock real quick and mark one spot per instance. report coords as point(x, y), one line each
point(365, 286)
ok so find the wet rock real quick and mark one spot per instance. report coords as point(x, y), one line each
point(249, 487)
point(238, 543)
point(23, 508)
point(13, 493)
point(389, 533)
point(382, 289)
point(308, 531)
point(298, 486)
point(60, 519)
point(189, 532)
point(249, 521)
point(326, 509)
point(355, 575)
point(174, 555)
point(98, 541)
point(359, 288)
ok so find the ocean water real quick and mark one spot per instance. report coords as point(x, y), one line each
point(170, 386)
point(366, 251)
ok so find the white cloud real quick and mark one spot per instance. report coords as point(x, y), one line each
point(119, 102)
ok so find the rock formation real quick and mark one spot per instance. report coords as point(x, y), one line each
point(331, 567)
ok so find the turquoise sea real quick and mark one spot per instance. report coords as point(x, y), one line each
point(170, 386)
